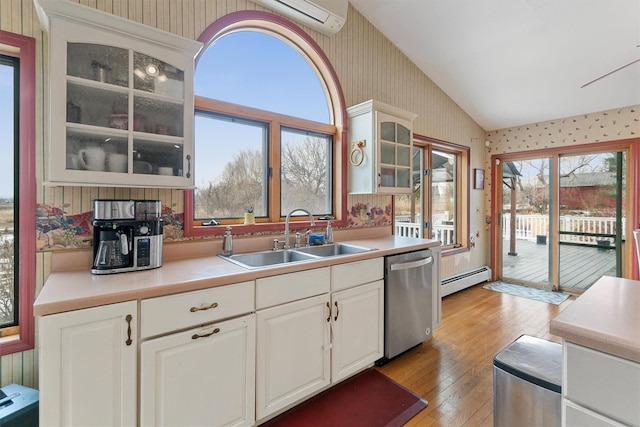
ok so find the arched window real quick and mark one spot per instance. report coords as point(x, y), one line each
point(268, 127)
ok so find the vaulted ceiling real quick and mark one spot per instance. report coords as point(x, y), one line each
point(514, 62)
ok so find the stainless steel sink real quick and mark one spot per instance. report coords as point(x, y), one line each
point(268, 258)
point(334, 249)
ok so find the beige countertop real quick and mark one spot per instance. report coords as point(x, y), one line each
point(605, 318)
point(78, 289)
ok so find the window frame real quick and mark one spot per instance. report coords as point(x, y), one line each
point(23, 47)
point(463, 189)
point(300, 40)
point(275, 122)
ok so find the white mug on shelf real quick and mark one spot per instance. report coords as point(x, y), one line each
point(163, 170)
point(92, 158)
point(117, 162)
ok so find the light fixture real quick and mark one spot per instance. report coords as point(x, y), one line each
point(152, 70)
point(138, 72)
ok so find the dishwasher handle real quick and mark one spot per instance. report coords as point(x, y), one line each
point(412, 264)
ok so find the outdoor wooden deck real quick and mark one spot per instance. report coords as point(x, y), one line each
point(580, 266)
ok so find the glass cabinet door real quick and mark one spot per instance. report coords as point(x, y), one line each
point(125, 112)
point(395, 155)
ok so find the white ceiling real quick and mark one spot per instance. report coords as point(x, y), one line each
point(514, 62)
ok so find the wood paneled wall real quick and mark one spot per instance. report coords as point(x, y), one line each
point(367, 64)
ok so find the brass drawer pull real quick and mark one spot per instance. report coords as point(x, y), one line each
point(194, 309)
point(196, 336)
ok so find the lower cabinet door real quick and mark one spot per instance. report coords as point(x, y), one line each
point(293, 353)
point(203, 376)
point(88, 361)
point(358, 329)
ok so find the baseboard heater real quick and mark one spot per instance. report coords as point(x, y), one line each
point(462, 281)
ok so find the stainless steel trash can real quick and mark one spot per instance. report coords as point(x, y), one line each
point(527, 383)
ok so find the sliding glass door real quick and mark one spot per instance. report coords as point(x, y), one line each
point(561, 219)
point(591, 217)
point(525, 225)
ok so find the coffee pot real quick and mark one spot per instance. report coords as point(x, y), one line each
point(127, 235)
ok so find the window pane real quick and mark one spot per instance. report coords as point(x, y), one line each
point(408, 207)
point(443, 196)
point(259, 70)
point(305, 163)
point(8, 292)
point(230, 167)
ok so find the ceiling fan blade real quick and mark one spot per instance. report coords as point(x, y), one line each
point(609, 73)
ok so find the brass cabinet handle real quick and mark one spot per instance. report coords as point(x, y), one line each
point(194, 309)
point(329, 307)
point(129, 318)
point(196, 336)
point(337, 312)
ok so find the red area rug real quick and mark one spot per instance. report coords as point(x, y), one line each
point(368, 399)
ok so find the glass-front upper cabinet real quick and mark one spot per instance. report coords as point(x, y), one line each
point(121, 100)
point(381, 143)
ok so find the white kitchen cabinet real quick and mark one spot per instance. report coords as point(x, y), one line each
point(358, 329)
point(293, 353)
point(87, 365)
point(120, 100)
point(599, 388)
point(380, 149)
point(203, 376)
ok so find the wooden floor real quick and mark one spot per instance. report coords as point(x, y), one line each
point(454, 370)
point(580, 266)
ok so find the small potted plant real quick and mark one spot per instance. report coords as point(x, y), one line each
point(249, 216)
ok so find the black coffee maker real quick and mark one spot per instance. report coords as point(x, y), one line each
point(127, 235)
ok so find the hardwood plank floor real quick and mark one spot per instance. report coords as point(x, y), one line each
point(454, 370)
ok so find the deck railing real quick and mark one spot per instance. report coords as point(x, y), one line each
point(528, 227)
point(442, 232)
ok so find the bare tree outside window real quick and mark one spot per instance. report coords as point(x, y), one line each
point(305, 173)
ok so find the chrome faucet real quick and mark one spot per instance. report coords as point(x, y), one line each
point(286, 225)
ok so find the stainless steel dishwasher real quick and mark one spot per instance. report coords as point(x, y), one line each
point(408, 297)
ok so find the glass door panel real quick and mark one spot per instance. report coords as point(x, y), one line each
point(157, 116)
point(104, 64)
point(388, 131)
point(387, 177)
point(525, 221)
point(157, 158)
point(158, 77)
point(404, 135)
point(404, 177)
point(591, 218)
point(404, 156)
point(387, 153)
point(82, 108)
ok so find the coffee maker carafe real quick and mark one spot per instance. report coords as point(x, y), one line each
point(127, 235)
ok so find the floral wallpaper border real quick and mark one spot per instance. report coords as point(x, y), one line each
point(57, 229)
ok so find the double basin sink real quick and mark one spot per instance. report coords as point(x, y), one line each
point(271, 258)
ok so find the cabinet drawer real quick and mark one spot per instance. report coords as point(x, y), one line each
point(607, 384)
point(165, 314)
point(576, 416)
point(345, 276)
point(276, 290)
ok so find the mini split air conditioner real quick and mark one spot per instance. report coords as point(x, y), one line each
point(326, 16)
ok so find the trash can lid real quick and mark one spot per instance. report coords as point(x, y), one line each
point(533, 359)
